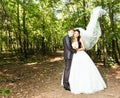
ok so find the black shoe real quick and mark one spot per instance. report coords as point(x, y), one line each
point(67, 89)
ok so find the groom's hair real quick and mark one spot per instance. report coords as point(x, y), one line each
point(70, 29)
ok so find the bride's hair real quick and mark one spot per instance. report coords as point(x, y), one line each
point(78, 39)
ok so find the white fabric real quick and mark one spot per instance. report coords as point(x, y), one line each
point(84, 75)
point(92, 33)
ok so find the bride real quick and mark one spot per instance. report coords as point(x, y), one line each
point(84, 75)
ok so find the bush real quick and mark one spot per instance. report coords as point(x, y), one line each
point(5, 92)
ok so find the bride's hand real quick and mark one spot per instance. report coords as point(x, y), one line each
point(80, 49)
point(77, 49)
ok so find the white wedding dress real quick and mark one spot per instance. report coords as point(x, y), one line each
point(84, 75)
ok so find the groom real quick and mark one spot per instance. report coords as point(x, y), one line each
point(68, 53)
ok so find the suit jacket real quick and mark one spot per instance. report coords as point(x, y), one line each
point(68, 50)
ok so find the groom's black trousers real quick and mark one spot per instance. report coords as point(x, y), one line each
point(66, 73)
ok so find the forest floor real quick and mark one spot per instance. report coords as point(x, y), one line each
point(42, 79)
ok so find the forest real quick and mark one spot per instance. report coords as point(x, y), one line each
point(34, 29)
point(33, 26)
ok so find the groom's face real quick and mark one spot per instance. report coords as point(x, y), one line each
point(71, 32)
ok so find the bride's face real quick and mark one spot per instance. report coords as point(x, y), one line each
point(76, 34)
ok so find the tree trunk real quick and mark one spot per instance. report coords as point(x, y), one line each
point(24, 31)
point(43, 46)
point(10, 39)
point(85, 18)
point(114, 51)
point(114, 46)
point(104, 39)
point(117, 46)
point(43, 41)
point(19, 30)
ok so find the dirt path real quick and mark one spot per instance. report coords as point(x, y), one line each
point(42, 80)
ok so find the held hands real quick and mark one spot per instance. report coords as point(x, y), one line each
point(79, 49)
point(76, 48)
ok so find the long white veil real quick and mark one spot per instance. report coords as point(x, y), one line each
point(92, 33)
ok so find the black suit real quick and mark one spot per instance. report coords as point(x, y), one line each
point(68, 54)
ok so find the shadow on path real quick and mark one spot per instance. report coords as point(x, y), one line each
point(42, 80)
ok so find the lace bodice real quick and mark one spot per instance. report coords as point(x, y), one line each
point(75, 45)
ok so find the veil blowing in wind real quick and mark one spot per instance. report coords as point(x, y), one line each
point(92, 33)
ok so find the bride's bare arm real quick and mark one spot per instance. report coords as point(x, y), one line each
point(82, 45)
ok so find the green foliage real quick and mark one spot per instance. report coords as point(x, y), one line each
point(111, 61)
point(5, 92)
point(46, 22)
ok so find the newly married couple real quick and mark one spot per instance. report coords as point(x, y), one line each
point(80, 74)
